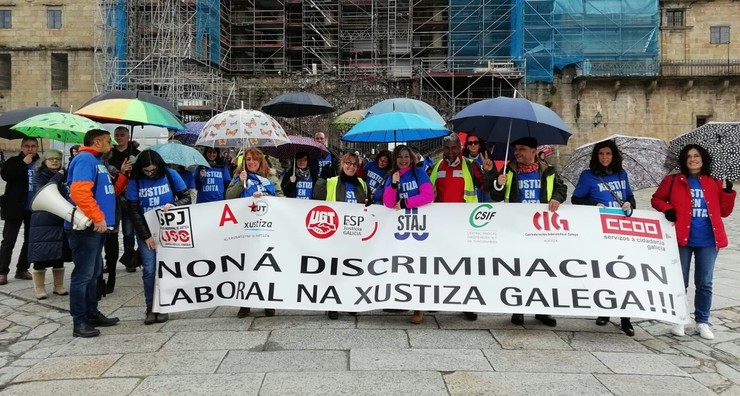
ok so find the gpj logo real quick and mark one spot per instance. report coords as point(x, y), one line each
point(259, 207)
point(549, 221)
point(412, 224)
point(322, 222)
point(481, 216)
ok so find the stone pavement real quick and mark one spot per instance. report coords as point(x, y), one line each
point(211, 352)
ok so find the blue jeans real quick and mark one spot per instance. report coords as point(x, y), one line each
point(704, 258)
point(87, 248)
point(148, 265)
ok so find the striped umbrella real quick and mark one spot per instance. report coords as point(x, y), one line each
point(131, 112)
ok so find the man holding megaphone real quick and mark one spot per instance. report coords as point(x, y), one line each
point(91, 191)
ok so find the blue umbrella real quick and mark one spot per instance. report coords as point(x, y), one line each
point(406, 105)
point(179, 154)
point(395, 127)
point(505, 119)
point(190, 135)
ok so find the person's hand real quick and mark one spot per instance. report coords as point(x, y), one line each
point(626, 206)
point(28, 159)
point(670, 215)
point(501, 180)
point(554, 205)
point(600, 205)
point(126, 166)
point(398, 206)
point(202, 173)
point(396, 177)
point(257, 194)
point(293, 179)
point(243, 176)
point(167, 207)
point(100, 227)
point(151, 243)
point(487, 163)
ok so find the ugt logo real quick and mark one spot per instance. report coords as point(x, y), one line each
point(412, 223)
point(322, 222)
point(548, 221)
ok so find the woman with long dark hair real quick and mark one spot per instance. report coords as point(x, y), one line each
point(152, 186)
point(376, 171)
point(696, 202)
point(605, 184)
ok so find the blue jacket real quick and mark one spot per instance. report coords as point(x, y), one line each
point(46, 239)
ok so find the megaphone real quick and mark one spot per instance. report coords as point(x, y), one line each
point(49, 200)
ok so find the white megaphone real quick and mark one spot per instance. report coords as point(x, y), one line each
point(49, 200)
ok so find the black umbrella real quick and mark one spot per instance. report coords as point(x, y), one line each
point(12, 117)
point(722, 141)
point(144, 96)
point(297, 104)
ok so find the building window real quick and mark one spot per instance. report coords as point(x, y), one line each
point(674, 18)
point(59, 72)
point(6, 19)
point(5, 72)
point(719, 35)
point(54, 19)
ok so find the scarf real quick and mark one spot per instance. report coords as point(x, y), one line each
point(527, 168)
point(348, 179)
point(302, 173)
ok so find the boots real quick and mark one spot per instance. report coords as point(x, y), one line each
point(39, 279)
point(59, 282)
point(151, 317)
point(110, 285)
point(417, 317)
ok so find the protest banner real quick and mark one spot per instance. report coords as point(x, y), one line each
point(486, 257)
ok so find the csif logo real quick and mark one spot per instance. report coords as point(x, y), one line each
point(411, 223)
point(549, 221)
point(481, 216)
point(322, 221)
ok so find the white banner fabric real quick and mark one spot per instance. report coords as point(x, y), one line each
point(485, 257)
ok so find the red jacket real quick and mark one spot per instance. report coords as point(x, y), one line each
point(674, 193)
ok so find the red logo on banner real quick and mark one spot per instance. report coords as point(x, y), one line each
point(632, 226)
point(322, 222)
point(549, 221)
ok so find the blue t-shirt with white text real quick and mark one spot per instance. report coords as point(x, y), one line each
point(154, 193)
point(529, 187)
point(700, 233)
point(591, 187)
point(212, 187)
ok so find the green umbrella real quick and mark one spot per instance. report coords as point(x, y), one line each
point(347, 120)
point(62, 127)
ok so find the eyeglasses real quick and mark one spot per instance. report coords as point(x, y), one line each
point(54, 159)
point(149, 171)
point(352, 164)
point(472, 143)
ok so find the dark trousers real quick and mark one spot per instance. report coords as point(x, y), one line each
point(111, 251)
point(87, 249)
point(10, 236)
point(42, 265)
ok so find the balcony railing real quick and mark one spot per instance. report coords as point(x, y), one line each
point(696, 68)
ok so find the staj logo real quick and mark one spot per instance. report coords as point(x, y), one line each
point(630, 226)
point(549, 221)
point(322, 221)
point(411, 223)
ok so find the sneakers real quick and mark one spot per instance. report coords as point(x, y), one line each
point(677, 330)
point(704, 331)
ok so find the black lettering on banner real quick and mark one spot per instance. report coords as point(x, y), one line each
point(312, 295)
point(265, 258)
point(405, 292)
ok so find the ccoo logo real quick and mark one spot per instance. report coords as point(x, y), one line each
point(322, 222)
point(549, 221)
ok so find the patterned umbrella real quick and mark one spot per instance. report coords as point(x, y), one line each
point(242, 128)
point(313, 148)
point(179, 154)
point(405, 105)
point(297, 104)
point(62, 127)
point(190, 135)
point(131, 112)
point(722, 141)
point(12, 117)
point(348, 119)
point(646, 160)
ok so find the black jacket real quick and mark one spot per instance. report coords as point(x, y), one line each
point(46, 240)
point(15, 174)
point(288, 187)
point(117, 157)
point(559, 190)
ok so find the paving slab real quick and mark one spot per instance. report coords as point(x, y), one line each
point(214, 340)
point(68, 367)
point(530, 339)
point(581, 324)
point(395, 322)
point(164, 363)
point(117, 343)
point(544, 361)
point(485, 321)
point(630, 385)
point(418, 360)
point(336, 339)
point(42, 331)
point(200, 384)
point(123, 327)
point(525, 384)
point(208, 324)
point(638, 363)
point(303, 322)
point(603, 342)
point(452, 339)
point(77, 387)
point(284, 361)
point(47, 347)
point(360, 383)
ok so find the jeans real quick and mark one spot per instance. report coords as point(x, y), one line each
point(127, 229)
point(704, 258)
point(148, 265)
point(87, 249)
point(10, 236)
